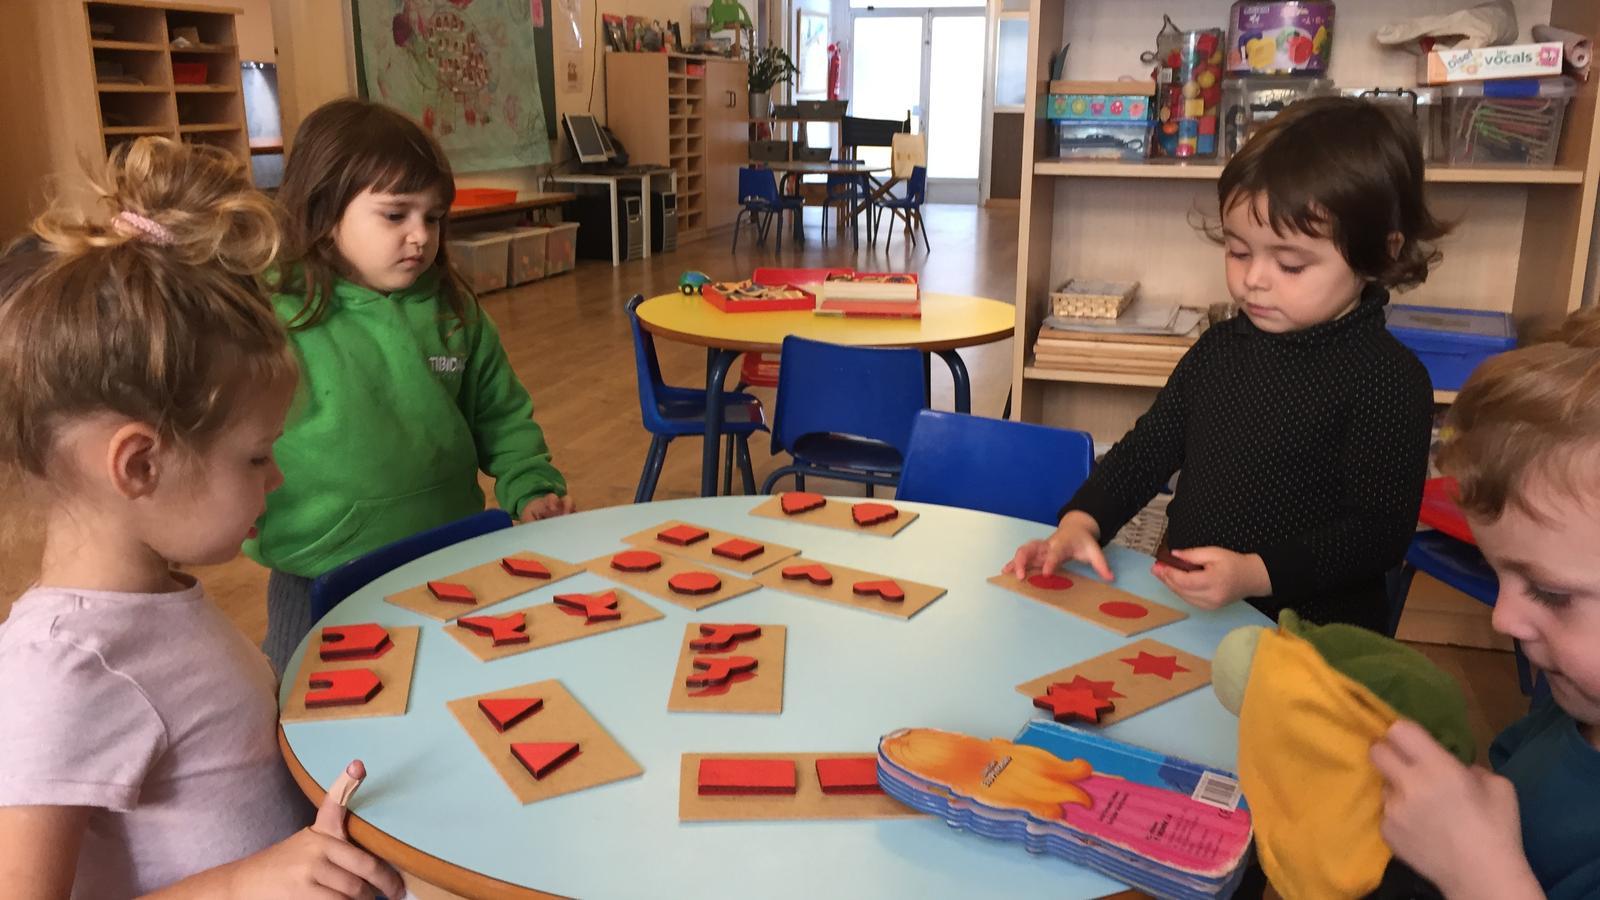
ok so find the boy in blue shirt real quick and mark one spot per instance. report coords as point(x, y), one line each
point(1524, 442)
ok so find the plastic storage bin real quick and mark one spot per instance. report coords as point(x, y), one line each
point(527, 254)
point(1451, 342)
point(1516, 122)
point(1100, 119)
point(1101, 140)
point(1188, 92)
point(561, 248)
point(483, 260)
point(1417, 106)
point(1250, 103)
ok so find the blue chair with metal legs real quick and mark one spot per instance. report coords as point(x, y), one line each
point(908, 207)
point(992, 465)
point(330, 589)
point(674, 412)
point(759, 199)
point(845, 412)
point(845, 192)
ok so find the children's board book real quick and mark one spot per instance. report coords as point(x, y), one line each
point(1163, 825)
point(881, 294)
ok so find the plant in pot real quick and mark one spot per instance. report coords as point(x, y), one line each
point(769, 66)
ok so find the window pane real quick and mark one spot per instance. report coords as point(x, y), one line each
point(1011, 63)
point(955, 97)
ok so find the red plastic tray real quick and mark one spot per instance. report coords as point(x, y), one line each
point(1440, 511)
point(715, 298)
point(468, 198)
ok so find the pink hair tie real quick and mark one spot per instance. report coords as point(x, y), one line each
point(134, 225)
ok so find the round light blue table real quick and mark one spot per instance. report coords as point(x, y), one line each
point(433, 805)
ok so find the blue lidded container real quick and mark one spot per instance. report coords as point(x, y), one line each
point(1451, 342)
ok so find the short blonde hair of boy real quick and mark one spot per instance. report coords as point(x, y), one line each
point(1529, 415)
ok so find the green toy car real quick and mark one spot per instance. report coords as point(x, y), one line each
point(690, 283)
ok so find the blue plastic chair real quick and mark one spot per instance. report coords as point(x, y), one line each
point(330, 589)
point(674, 412)
point(992, 465)
point(1459, 565)
point(845, 412)
point(848, 192)
point(908, 207)
point(759, 199)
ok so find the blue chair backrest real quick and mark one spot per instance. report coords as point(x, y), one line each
point(865, 392)
point(917, 186)
point(647, 367)
point(842, 187)
point(994, 465)
point(757, 187)
point(330, 589)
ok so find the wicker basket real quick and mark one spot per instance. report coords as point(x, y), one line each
point(1080, 298)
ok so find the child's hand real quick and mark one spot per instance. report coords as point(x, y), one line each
point(1456, 825)
point(318, 861)
point(1076, 540)
point(1223, 577)
point(547, 507)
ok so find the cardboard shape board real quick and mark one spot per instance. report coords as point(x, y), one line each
point(760, 690)
point(657, 581)
point(1089, 598)
point(807, 802)
point(488, 584)
point(1136, 677)
point(559, 720)
point(850, 587)
point(547, 624)
point(838, 512)
point(717, 548)
point(391, 670)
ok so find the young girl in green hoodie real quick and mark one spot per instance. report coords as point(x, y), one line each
point(406, 392)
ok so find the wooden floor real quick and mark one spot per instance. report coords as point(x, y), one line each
point(568, 339)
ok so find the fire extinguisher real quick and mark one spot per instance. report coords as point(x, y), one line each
point(834, 63)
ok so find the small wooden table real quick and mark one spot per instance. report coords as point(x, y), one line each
point(794, 171)
point(521, 204)
point(948, 321)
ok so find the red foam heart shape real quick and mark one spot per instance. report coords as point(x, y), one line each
point(815, 573)
point(869, 514)
point(886, 589)
point(797, 502)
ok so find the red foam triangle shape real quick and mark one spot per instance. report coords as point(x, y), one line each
point(504, 712)
point(542, 759)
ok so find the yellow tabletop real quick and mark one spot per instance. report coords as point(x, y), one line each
point(948, 321)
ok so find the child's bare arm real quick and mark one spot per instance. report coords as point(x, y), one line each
point(39, 850)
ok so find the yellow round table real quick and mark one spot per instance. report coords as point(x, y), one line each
point(949, 321)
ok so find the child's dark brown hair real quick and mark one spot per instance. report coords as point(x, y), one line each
point(1346, 170)
point(343, 148)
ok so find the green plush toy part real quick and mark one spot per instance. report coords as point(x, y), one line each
point(725, 14)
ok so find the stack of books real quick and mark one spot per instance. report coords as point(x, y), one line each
point(1145, 340)
point(873, 294)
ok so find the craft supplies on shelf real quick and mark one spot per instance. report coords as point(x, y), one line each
point(1451, 342)
point(1503, 122)
point(1100, 119)
point(1087, 298)
point(1280, 38)
point(1188, 92)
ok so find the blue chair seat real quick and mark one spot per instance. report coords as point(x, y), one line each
point(682, 411)
point(839, 451)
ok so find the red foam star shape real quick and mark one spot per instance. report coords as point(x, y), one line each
point(1105, 690)
point(1079, 703)
point(1150, 664)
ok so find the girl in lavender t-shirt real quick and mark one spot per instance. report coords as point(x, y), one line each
point(143, 379)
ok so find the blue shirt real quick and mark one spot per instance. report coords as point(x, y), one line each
point(1556, 772)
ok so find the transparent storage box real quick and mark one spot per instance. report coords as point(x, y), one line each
point(527, 254)
point(561, 248)
point(1418, 107)
point(483, 260)
point(1101, 140)
point(1514, 122)
point(1250, 103)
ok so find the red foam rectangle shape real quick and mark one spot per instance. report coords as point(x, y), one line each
point(849, 775)
point(734, 777)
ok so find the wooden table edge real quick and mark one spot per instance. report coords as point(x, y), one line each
point(700, 340)
point(401, 855)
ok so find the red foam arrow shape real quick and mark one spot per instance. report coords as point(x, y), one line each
point(746, 776)
point(720, 637)
point(739, 549)
point(1105, 690)
point(342, 687)
point(636, 561)
point(694, 583)
point(849, 775)
point(683, 535)
point(1150, 664)
point(815, 573)
point(507, 629)
point(1050, 581)
point(1075, 703)
point(504, 712)
point(368, 640)
point(718, 669)
point(867, 514)
point(593, 607)
point(542, 759)
point(450, 592)
point(885, 588)
point(525, 568)
point(797, 502)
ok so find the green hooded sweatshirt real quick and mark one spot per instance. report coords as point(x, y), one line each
point(399, 406)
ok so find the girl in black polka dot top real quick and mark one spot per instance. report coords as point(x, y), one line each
point(1301, 426)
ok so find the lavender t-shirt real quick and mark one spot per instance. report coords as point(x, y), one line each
point(155, 711)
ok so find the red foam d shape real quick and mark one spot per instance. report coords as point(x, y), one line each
point(717, 669)
point(739, 549)
point(450, 592)
point(342, 687)
point(594, 607)
point(507, 629)
point(866, 514)
point(504, 712)
point(1067, 704)
point(636, 561)
point(797, 502)
point(694, 583)
point(542, 759)
point(1050, 581)
point(746, 776)
point(886, 589)
point(683, 535)
point(721, 637)
point(368, 640)
point(849, 775)
point(525, 568)
point(816, 573)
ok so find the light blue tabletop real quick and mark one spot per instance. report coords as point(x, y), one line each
point(851, 677)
